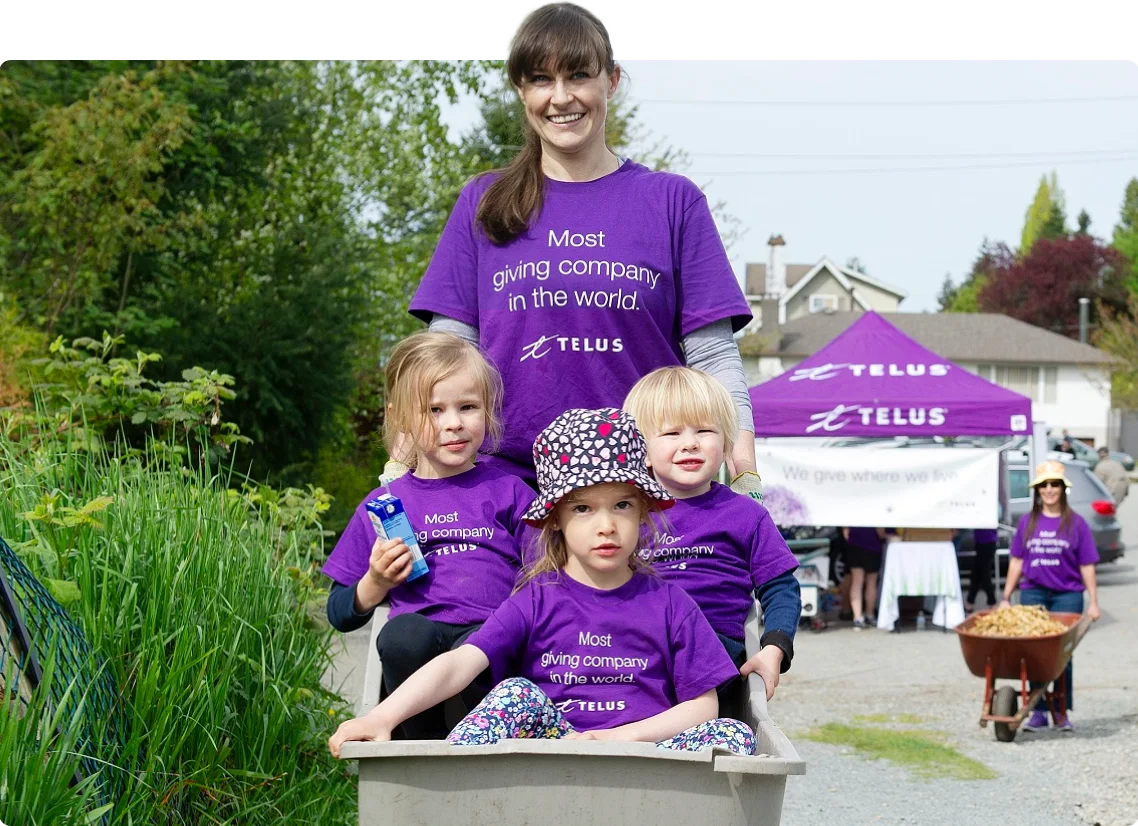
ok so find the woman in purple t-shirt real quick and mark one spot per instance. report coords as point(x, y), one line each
point(592, 646)
point(576, 271)
point(1054, 554)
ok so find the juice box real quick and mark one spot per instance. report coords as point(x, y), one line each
point(390, 522)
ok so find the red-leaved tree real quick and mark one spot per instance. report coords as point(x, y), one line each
point(1044, 287)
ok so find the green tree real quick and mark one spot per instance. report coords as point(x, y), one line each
point(85, 199)
point(1117, 334)
point(947, 293)
point(1084, 220)
point(266, 219)
point(966, 299)
point(1046, 216)
point(1126, 232)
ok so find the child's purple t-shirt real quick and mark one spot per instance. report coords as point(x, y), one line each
point(597, 293)
point(720, 546)
point(985, 535)
point(605, 658)
point(1051, 558)
point(470, 530)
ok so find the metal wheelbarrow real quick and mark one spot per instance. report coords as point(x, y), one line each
point(1027, 659)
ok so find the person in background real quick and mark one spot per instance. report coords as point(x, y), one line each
point(1112, 474)
point(982, 561)
point(863, 555)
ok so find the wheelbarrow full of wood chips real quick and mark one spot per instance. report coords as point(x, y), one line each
point(1040, 659)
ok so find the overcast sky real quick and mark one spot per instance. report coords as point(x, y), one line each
point(907, 226)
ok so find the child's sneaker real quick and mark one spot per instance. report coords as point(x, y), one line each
point(1063, 723)
point(1037, 722)
point(859, 624)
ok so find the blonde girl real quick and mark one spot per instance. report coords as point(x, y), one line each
point(467, 518)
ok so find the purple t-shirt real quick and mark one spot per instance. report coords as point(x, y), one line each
point(984, 535)
point(470, 530)
point(1051, 558)
point(720, 546)
point(597, 293)
point(866, 539)
point(605, 658)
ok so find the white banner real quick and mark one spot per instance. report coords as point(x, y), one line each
point(886, 488)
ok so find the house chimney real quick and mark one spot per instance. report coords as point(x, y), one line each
point(776, 274)
point(1084, 318)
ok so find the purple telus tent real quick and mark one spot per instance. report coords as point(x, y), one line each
point(873, 380)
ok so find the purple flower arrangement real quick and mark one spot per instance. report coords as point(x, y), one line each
point(785, 508)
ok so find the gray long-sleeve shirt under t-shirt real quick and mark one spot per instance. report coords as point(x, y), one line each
point(711, 349)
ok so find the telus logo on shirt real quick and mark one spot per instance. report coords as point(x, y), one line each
point(590, 705)
point(840, 416)
point(829, 371)
point(570, 344)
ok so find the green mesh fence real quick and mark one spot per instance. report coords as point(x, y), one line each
point(35, 628)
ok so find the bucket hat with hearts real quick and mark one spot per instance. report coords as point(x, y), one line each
point(590, 447)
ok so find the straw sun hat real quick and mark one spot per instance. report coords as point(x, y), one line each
point(1046, 471)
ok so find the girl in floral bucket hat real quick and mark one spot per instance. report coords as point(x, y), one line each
point(591, 645)
point(1053, 558)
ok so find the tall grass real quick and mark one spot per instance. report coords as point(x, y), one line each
point(189, 599)
point(38, 760)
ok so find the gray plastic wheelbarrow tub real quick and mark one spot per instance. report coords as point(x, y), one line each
point(554, 782)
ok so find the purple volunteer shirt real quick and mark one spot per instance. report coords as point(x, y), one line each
point(597, 293)
point(984, 535)
point(470, 530)
point(1051, 558)
point(866, 539)
point(720, 546)
point(605, 658)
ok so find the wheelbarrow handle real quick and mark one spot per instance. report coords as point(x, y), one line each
point(1082, 628)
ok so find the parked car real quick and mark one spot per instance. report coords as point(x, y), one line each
point(1088, 497)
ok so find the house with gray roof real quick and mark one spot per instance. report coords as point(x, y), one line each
point(779, 292)
point(1067, 381)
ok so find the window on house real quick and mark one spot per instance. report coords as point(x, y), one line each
point(1023, 380)
point(821, 303)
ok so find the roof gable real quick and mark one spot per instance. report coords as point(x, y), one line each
point(837, 272)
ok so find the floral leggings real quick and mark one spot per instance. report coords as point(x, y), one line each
point(517, 708)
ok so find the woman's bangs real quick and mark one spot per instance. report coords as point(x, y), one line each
point(562, 45)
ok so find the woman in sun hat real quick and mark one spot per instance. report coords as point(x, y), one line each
point(1053, 558)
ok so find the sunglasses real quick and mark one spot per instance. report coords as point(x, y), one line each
point(1051, 483)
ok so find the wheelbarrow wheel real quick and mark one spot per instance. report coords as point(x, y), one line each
point(1005, 704)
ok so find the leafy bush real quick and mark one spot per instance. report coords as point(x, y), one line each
point(195, 586)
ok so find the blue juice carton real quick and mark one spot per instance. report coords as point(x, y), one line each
point(390, 522)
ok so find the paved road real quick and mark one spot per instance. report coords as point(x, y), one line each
point(1046, 779)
